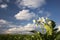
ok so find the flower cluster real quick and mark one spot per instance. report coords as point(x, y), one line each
point(42, 21)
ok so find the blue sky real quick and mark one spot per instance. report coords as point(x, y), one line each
point(16, 15)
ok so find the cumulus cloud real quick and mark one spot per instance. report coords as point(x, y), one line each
point(24, 15)
point(3, 5)
point(21, 29)
point(2, 25)
point(2, 21)
point(5, 25)
point(9, 28)
point(30, 3)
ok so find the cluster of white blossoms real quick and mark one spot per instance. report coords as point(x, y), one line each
point(42, 20)
point(44, 23)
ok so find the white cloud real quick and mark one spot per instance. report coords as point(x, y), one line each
point(30, 3)
point(9, 28)
point(2, 21)
point(24, 15)
point(21, 29)
point(3, 5)
point(29, 27)
point(5, 25)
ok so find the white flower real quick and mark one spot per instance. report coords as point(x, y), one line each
point(46, 18)
point(49, 22)
point(34, 21)
point(39, 21)
point(42, 20)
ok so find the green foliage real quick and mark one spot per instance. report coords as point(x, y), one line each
point(35, 36)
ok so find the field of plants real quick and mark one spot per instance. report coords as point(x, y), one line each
point(36, 36)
